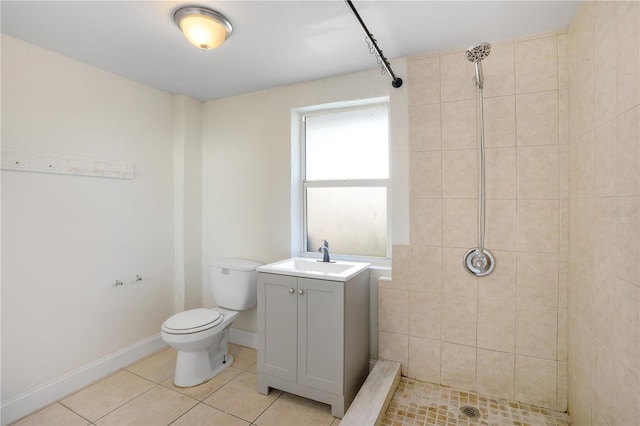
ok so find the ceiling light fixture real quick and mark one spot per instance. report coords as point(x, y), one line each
point(204, 28)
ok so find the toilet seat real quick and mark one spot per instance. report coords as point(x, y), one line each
point(192, 321)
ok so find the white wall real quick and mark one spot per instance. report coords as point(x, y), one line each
point(187, 170)
point(246, 155)
point(67, 239)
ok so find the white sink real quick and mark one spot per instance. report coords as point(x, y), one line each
point(311, 268)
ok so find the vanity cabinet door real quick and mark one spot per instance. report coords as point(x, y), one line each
point(277, 325)
point(321, 334)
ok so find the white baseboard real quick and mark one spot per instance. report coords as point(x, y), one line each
point(244, 338)
point(37, 398)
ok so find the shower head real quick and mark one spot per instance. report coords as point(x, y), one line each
point(478, 52)
point(475, 54)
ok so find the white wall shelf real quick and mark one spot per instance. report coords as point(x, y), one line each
point(65, 164)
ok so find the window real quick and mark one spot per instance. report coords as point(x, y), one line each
point(344, 180)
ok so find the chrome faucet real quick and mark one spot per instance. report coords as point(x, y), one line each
point(325, 251)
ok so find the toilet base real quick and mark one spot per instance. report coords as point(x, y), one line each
point(195, 368)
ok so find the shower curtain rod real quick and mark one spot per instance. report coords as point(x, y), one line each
point(397, 81)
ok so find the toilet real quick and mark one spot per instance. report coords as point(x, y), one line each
point(200, 336)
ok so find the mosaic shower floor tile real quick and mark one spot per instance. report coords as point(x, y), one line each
point(419, 403)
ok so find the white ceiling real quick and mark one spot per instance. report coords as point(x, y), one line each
point(273, 42)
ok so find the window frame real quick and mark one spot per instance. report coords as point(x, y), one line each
point(300, 184)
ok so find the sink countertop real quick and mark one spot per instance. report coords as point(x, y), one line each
point(312, 268)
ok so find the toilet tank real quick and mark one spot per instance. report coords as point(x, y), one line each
point(234, 283)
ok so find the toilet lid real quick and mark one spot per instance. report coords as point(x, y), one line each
point(193, 320)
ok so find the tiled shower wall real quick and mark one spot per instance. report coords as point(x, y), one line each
point(503, 335)
point(604, 215)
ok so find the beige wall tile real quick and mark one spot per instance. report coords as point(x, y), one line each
point(562, 334)
point(455, 77)
point(501, 220)
point(629, 152)
point(425, 128)
point(626, 398)
point(538, 172)
point(500, 121)
point(628, 239)
point(393, 315)
point(563, 117)
point(460, 173)
point(585, 101)
point(605, 62)
point(563, 385)
point(424, 359)
point(603, 375)
point(425, 315)
point(603, 308)
point(536, 64)
point(459, 366)
point(626, 329)
point(563, 61)
point(459, 128)
point(537, 118)
point(460, 223)
point(500, 285)
point(580, 401)
point(424, 80)
point(499, 70)
point(536, 381)
point(563, 282)
point(537, 331)
point(400, 269)
point(538, 279)
point(426, 221)
point(496, 325)
point(628, 55)
point(394, 347)
point(500, 173)
point(538, 225)
point(426, 175)
point(426, 269)
point(496, 373)
point(459, 319)
point(603, 233)
point(456, 281)
point(586, 164)
point(605, 160)
point(563, 171)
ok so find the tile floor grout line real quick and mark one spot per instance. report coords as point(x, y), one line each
point(269, 406)
point(72, 410)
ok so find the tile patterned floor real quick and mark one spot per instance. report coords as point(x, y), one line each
point(419, 403)
point(143, 394)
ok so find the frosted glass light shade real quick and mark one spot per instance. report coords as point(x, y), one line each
point(204, 28)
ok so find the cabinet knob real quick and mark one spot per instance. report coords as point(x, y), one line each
point(291, 290)
point(300, 291)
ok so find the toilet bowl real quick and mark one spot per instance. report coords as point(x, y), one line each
point(200, 336)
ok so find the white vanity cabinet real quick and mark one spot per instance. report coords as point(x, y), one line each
point(313, 337)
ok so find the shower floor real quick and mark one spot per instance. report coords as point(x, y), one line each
point(419, 403)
